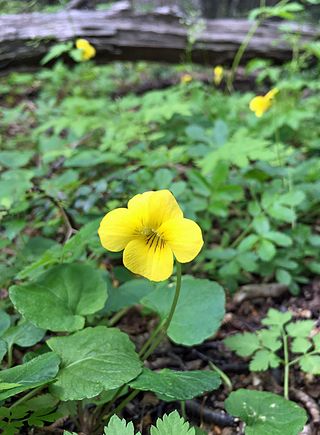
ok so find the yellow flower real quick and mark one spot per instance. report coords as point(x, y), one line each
point(186, 78)
point(260, 104)
point(87, 50)
point(218, 75)
point(152, 231)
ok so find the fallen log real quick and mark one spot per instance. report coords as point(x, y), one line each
point(123, 35)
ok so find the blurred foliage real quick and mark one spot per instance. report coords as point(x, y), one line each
point(252, 184)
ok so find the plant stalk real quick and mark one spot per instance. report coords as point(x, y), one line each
point(151, 344)
point(286, 366)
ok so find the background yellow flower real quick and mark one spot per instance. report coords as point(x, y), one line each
point(152, 231)
point(260, 104)
point(87, 50)
point(186, 78)
point(218, 72)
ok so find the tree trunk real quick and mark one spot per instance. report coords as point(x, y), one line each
point(122, 35)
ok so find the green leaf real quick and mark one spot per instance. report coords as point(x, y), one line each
point(172, 424)
point(243, 344)
point(276, 318)
point(93, 360)
point(118, 426)
point(128, 294)
point(248, 148)
point(301, 328)
point(64, 295)
point(56, 51)
point(316, 341)
point(5, 321)
point(199, 312)
point(300, 345)
point(270, 339)
point(261, 224)
point(25, 334)
point(41, 401)
point(263, 359)
point(266, 413)
point(13, 186)
point(248, 243)
point(3, 349)
point(266, 250)
point(283, 276)
point(38, 371)
point(15, 159)
point(278, 238)
point(174, 385)
point(310, 364)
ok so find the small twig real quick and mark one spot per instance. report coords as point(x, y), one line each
point(252, 291)
point(64, 214)
point(309, 404)
point(209, 416)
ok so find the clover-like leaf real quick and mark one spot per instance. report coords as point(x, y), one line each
point(266, 413)
point(60, 298)
point(172, 424)
point(276, 318)
point(310, 364)
point(199, 312)
point(263, 359)
point(176, 385)
point(118, 426)
point(301, 328)
point(93, 360)
point(266, 250)
point(243, 344)
point(34, 373)
point(316, 341)
point(300, 345)
point(270, 339)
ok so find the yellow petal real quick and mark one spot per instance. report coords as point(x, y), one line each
point(218, 74)
point(155, 207)
point(184, 237)
point(117, 228)
point(259, 105)
point(154, 262)
point(271, 94)
point(82, 43)
point(89, 52)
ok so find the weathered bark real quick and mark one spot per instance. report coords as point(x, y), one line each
point(121, 35)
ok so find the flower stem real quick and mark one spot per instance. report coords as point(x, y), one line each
point(146, 345)
point(240, 53)
point(294, 361)
point(150, 345)
point(10, 357)
point(158, 338)
point(222, 375)
point(26, 397)
point(286, 366)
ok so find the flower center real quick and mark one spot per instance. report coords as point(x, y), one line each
point(153, 239)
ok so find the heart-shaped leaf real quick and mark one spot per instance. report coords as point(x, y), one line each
point(199, 312)
point(266, 413)
point(128, 294)
point(34, 373)
point(60, 298)
point(174, 385)
point(24, 334)
point(93, 360)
